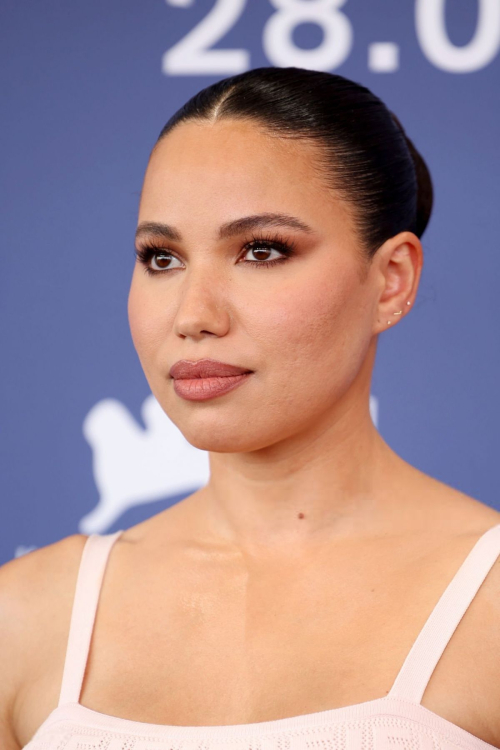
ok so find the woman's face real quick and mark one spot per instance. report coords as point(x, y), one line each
point(303, 324)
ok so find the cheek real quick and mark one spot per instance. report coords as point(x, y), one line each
point(148, 319)
point(305, 323)
point(313, 339)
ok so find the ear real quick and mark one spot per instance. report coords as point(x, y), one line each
point(399, 266)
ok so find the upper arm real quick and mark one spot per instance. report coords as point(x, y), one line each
point(36, 594)
point(481, 643)
point(492, 650)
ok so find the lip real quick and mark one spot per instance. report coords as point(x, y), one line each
point(206, 378)
point(204, 368)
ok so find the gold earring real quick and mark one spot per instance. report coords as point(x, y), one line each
point(398, 313)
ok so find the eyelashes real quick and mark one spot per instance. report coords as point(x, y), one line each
point(147, 251)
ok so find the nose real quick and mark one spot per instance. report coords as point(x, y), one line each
point(203, 307)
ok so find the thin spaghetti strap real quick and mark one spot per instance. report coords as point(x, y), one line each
point(88, 586)
point(432, 640)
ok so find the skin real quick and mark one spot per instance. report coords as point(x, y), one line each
point(307, 327)
point(314, 550)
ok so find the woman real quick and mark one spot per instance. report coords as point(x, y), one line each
point(278, 606)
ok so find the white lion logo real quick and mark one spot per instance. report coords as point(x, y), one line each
point(133, 465)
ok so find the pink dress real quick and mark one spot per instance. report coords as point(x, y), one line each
point(397, 721)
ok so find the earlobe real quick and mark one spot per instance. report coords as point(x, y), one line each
point(398, 313)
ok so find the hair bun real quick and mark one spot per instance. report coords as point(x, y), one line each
point(363, 152)
point(425, 189)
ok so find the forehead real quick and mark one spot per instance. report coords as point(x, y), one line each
point(216, 170)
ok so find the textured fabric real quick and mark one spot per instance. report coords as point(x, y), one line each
point(397, 721)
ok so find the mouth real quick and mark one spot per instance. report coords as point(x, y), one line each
point(205, 368)
point(206, 378)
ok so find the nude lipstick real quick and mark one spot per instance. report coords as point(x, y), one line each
point(206, 378)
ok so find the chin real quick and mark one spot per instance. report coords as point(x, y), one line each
point(224, 441)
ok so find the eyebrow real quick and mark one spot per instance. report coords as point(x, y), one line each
point(230, 229)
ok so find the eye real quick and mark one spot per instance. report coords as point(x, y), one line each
point(161, 261)
point(259, 247)
point(155, 260)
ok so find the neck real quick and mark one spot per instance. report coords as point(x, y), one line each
point(329, 482)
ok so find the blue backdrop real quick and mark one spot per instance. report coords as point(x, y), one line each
point(86, 89)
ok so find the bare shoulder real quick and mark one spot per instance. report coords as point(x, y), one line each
point(434, 507)
point(36, 595)
point(483, 646)
point(476, 644)
point(477, 648)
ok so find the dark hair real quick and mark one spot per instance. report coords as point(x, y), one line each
point(367, 155)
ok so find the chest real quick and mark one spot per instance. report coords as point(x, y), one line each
point(196, 647)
